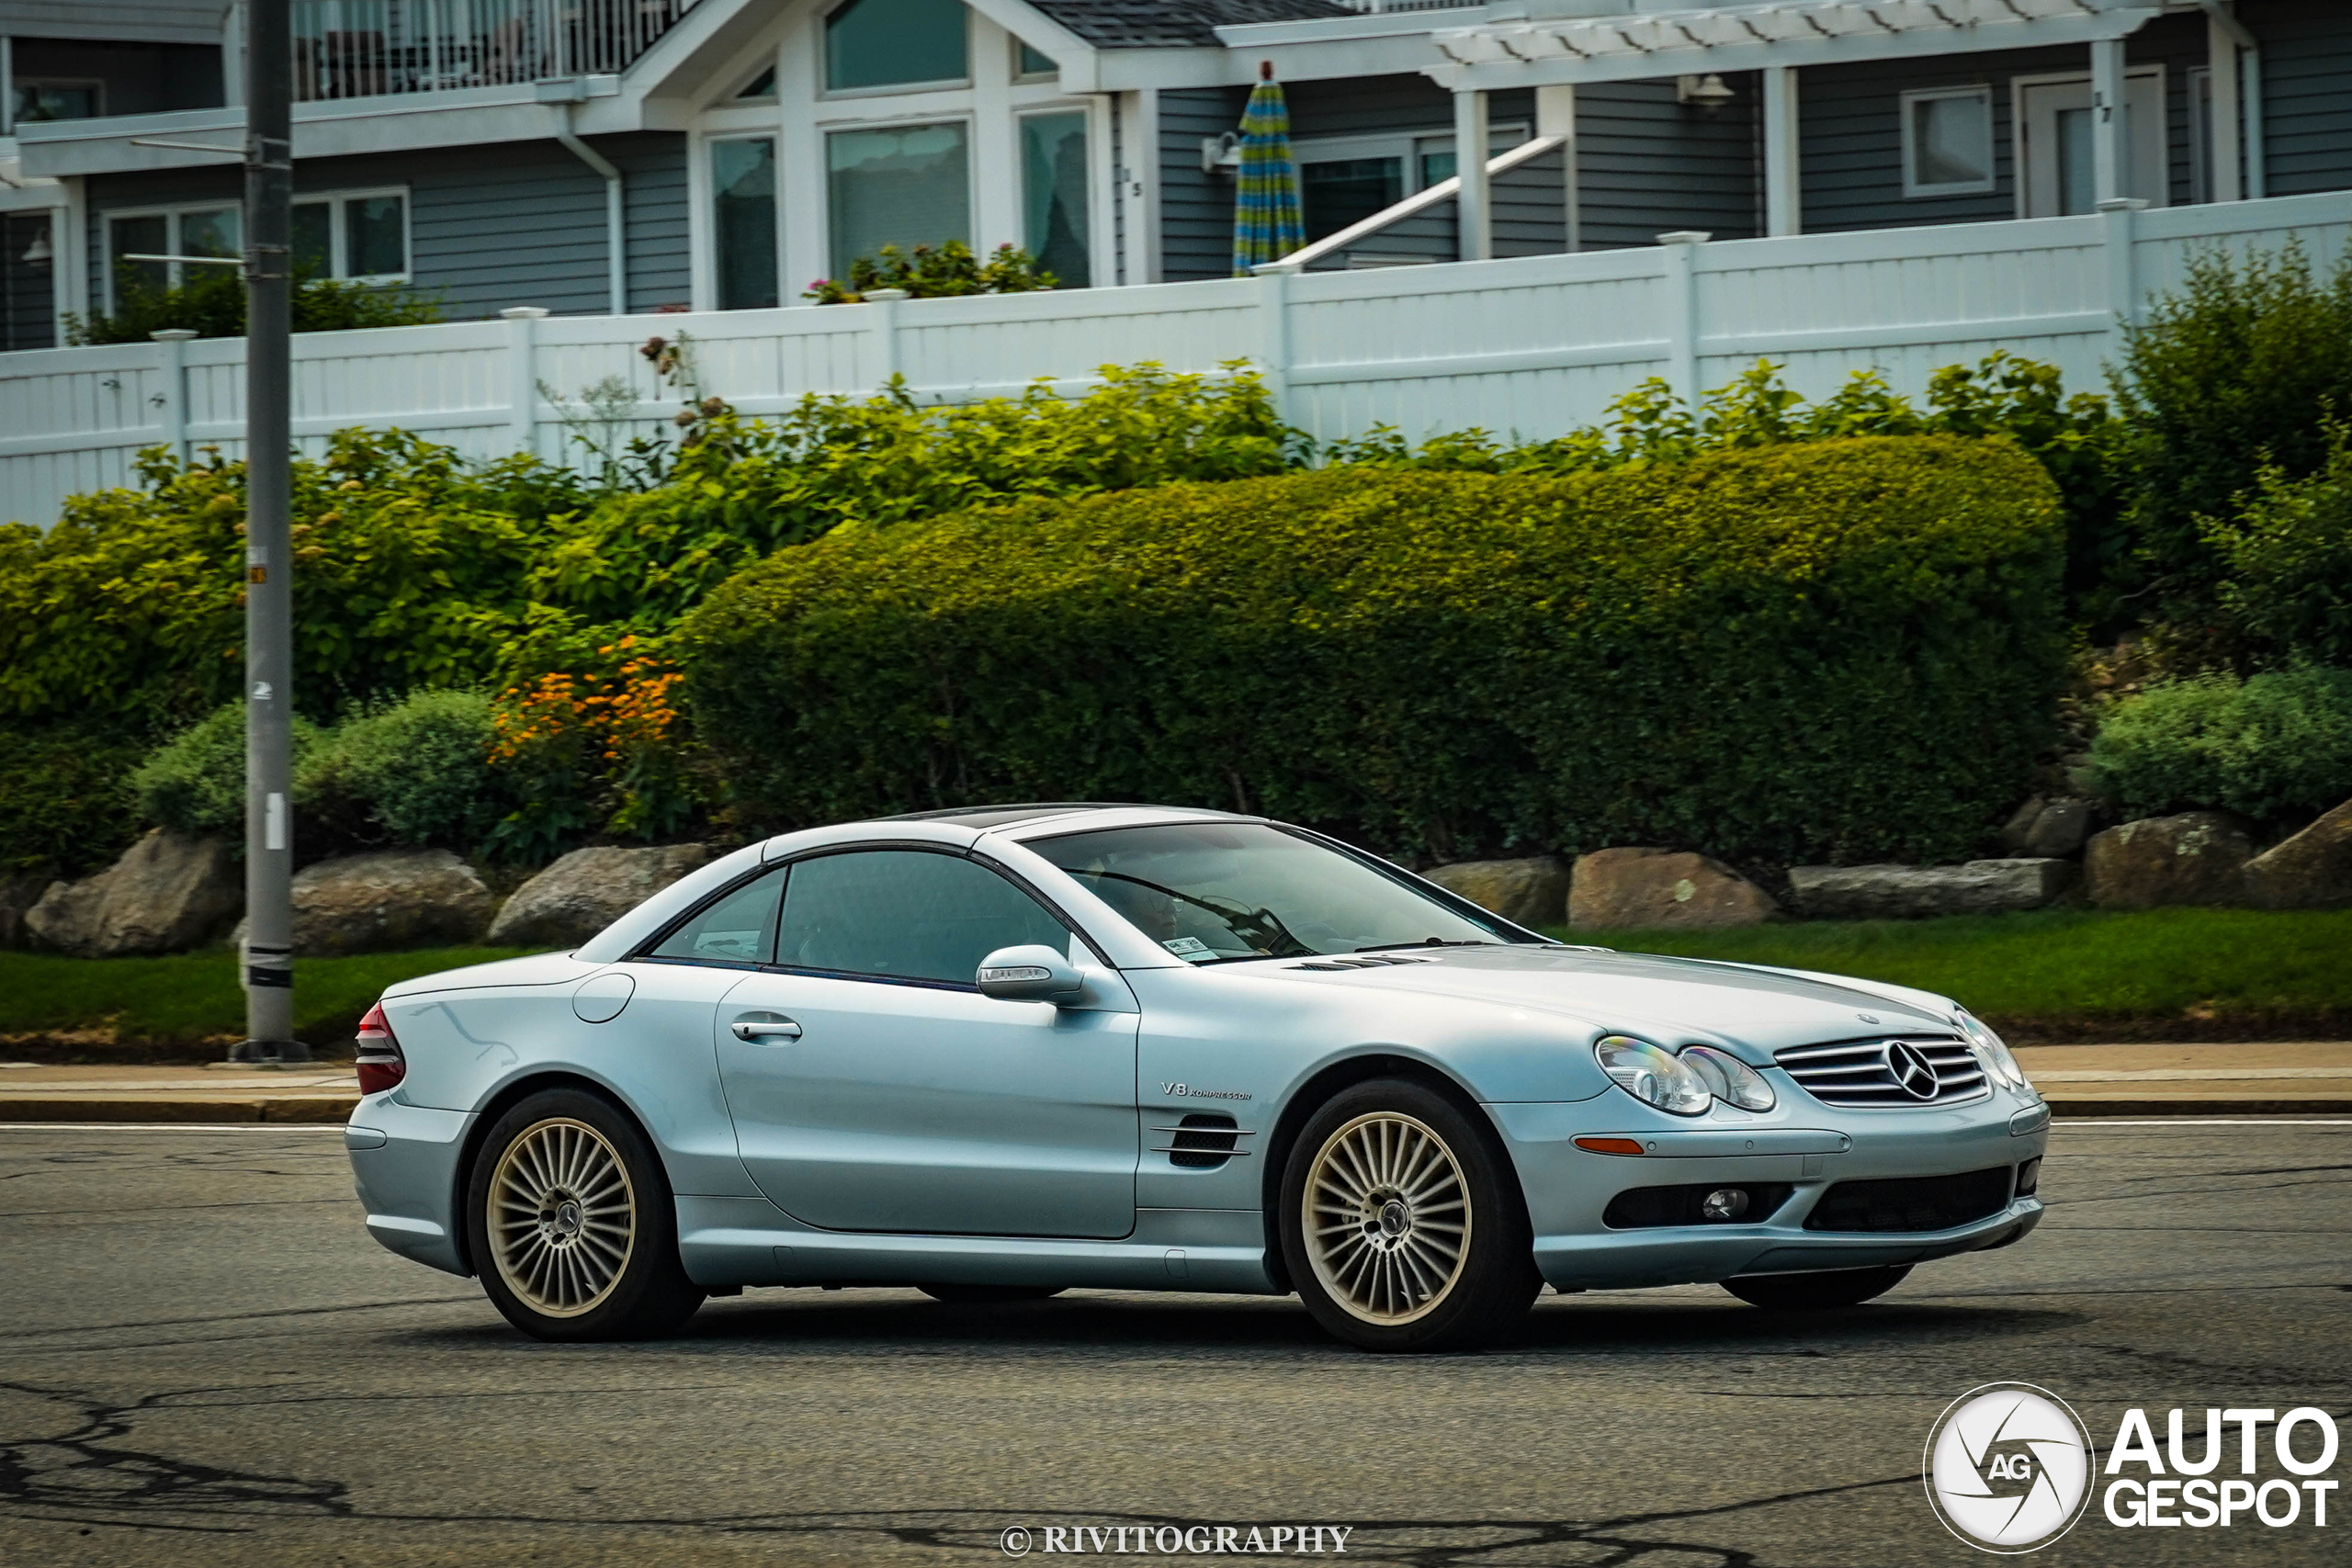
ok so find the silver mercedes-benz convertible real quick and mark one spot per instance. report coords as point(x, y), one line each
point(1000, 1053)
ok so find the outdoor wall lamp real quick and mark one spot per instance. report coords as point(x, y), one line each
point(1709, 92)
point(1220, 152)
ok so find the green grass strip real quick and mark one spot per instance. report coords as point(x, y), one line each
point(188, 997)
point(2066, 967)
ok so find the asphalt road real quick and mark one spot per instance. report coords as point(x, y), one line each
point(203, 1359)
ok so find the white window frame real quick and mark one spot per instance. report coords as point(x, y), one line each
point(1913, 189)
point(2197, 89)
point(972, 43)
point(172, 215)
point(2024, 157)
point(827, 129)
point(702, 216)
point(1408, 146)
point(339, 243)
point(14, 83)
point(805, 113)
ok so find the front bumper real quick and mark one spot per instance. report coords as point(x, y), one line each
point(1801, 1144)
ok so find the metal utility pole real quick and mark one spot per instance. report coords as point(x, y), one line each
point(269, 564)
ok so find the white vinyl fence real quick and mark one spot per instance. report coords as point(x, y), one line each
point(1524, 347)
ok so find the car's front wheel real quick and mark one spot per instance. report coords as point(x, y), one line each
point(573, 1234)
point(1829, 1288)
point(1402, 1224)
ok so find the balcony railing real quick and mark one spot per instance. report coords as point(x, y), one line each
point(362, 49)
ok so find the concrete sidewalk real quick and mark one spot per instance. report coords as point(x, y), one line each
point(2300, 1078)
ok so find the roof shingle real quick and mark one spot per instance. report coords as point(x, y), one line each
point(1173, 23)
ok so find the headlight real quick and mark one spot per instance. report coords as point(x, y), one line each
point(1991, 1051)
point(1730, 1079)
point(1653, 1076)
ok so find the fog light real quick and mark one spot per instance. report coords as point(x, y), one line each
point(2029, 1176)
point(1723, 1203)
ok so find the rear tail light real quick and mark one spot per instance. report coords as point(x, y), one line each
point(380, 1063)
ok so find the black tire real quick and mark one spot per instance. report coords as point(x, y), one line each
point(1817, 1292)
point(604, 1267)
point(990, 1295)
point(1379, 1278)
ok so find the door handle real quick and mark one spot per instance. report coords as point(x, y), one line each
point(754, 1030)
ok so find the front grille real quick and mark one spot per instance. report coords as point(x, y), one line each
point(1867, 1075)
point(1912, 1203)
point(1202, 1142)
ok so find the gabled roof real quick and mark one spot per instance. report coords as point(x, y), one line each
point(1174, 24)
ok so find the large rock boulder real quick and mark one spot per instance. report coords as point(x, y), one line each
point(588, 890)
point(2311, 871)
point(168, 892)
point(1641, 889)
point(1532, 891)
point(17, 895)
point(2198, 857)
point(374, 903)
point(2045, 829)
point(1916, 892)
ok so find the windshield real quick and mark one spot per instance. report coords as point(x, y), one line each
point(1213, 892)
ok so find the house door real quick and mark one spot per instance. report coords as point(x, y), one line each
point(2057, 147)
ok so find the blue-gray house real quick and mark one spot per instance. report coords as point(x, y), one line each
point(614, 156)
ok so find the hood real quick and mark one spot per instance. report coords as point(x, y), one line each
point(1671, 1000)
point(537, 969)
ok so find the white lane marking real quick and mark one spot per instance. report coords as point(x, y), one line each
point(2169, 1075)
point(171, 1126)
point(2191, 1122)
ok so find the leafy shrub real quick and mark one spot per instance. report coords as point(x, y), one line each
point(939, 272)
point(2072, 437)
point(2272, 745)
point(195, 783)
point(2289, 556)
point(1845, 648)
point(410, 567)
point(2238, 371)
point(607, 746)
point(416, 773)
point(211, 304)
point(64, 808)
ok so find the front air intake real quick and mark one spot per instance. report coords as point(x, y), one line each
point(1202, 1141)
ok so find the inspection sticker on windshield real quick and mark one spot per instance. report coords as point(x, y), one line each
point(1186, 946)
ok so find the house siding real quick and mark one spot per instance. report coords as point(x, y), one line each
point(1648, 166)
point(1850, 130)
point(489, 227)
point(27, 290)
point(1196, 207)
point(2307, 92)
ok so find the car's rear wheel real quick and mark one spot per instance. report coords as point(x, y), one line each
point(1829, 1288)
point(573, 1231)
point(990, 1295)
point(1402, 1222)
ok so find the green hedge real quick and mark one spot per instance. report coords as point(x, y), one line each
point(1838, 650)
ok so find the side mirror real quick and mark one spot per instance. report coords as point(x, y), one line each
point(1030, 974)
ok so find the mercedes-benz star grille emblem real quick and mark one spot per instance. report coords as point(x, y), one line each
point(1910, 1069)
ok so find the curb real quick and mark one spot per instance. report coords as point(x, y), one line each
point(311, 1109)
point(2302, 1105)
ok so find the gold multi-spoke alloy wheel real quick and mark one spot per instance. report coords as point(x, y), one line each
point(1386, 1218)
point(563, 1217)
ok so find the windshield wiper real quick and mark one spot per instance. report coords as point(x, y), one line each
point(1428, 941)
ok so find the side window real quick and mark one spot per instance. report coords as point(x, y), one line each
point(907, 915)
point(739, 929)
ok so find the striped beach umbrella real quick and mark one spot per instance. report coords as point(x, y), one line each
point(1266, 221)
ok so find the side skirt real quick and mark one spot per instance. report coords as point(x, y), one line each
point(749, 1241)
